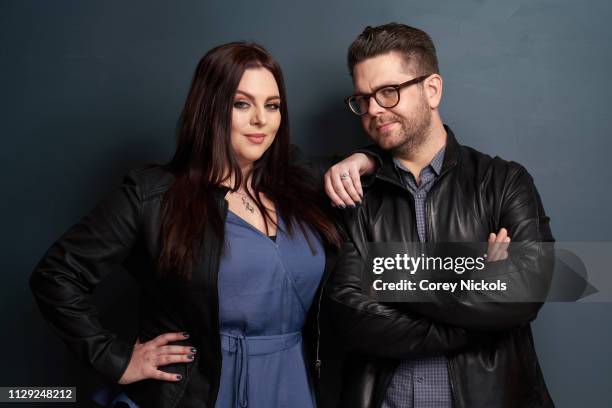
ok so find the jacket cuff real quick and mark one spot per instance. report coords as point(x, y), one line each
point(115, 359)
point(374, 152)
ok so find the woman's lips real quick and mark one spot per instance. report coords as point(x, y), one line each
point(255, 137)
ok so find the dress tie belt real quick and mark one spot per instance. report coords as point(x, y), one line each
point(246, 346)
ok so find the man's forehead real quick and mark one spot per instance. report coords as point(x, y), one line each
point(381, 70)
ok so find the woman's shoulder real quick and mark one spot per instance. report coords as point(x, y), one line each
point(150, 179)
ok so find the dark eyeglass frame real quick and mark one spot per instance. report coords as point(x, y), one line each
point(373, 94)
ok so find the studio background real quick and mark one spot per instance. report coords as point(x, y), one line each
point(89, 89)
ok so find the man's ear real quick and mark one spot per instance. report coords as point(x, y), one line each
point(433, 90)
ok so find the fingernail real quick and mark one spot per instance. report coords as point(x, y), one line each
point(193, 350)
point(185, 334)
point(343, 206)
point(352, 206)
point(190, 356)
point(179, 377)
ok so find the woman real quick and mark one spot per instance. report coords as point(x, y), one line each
point(228, 243)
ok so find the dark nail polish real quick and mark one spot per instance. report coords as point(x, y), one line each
point(343, 206)
point(190, 356)
point(352, 206)
point(193, 350)
point(185, 334)
point(179, 377)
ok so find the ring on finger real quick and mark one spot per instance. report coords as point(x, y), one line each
point(344, 176)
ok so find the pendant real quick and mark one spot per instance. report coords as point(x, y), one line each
point(248, 205)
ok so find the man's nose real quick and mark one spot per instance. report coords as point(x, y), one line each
point(374, 108)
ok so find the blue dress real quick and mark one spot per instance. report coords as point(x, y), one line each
point(265, 290)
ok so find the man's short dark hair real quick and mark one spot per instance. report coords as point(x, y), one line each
point(415, 45)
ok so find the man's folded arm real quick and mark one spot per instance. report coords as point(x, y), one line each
point(367, 326)
point(527, 271)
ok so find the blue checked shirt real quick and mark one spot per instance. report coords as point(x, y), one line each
point(422, 382)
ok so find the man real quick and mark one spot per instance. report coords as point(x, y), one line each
point(428, 187)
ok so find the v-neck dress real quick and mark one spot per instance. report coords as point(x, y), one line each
point(265, 290)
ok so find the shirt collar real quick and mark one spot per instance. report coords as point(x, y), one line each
point(435, 163)
point(438, 160)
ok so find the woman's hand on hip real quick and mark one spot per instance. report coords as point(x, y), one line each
point(149, 356)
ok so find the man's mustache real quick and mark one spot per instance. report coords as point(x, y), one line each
point(383, 120)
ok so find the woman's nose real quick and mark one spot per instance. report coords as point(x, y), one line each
point(259, 117)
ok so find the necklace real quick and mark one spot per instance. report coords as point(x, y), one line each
point(246, 202)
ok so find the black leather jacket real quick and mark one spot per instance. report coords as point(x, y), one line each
point(124, 229)
point(492, 361)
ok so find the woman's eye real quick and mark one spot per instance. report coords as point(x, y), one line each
point(241, 105)
point(273, 106)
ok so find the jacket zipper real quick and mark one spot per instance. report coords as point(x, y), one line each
point(223, 207)
point(317, 357)
point(451, 375)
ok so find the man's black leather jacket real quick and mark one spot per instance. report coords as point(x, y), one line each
point(124, 229)
point(492, 361)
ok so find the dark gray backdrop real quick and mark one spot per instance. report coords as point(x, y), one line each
point(89, 89)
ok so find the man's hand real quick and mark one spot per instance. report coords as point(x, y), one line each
point(147, 357)
point(342, 180)
point(497, 249)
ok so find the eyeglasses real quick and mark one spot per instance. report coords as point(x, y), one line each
point(387, 96)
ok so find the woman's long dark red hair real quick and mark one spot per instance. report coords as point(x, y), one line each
point(204, 154)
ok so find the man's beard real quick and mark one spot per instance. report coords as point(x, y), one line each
point(413, 131)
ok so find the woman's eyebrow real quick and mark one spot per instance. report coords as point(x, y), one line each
point(248, 95)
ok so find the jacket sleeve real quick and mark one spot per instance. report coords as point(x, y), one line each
point(64, 279)
point(315, 165)
point(318, 165)
point(364, 325)
point(376, 153)
point(527, 271)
